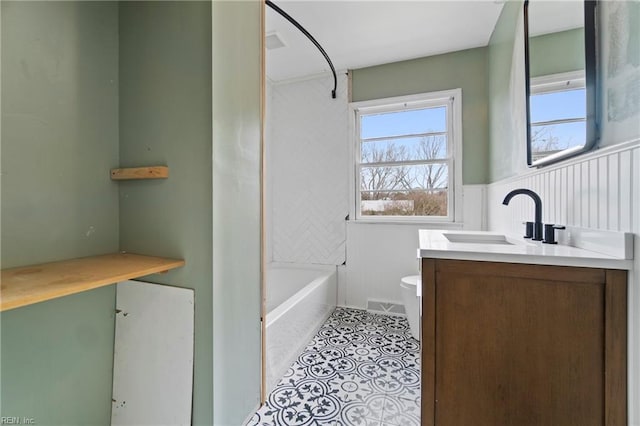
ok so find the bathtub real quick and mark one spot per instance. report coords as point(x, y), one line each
point(299, 299)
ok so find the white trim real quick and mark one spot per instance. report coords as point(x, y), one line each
point(558, 82)
point(474, 207)
point(352, 160)
point(457, 154)
point(314, 76)
point(393, 220)
point(454, 159)
point(398, 100)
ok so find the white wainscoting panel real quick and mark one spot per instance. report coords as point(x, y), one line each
point(380, 254)
point(153, 355)
point(474, 207)
point(600, 190)
point(307, 171)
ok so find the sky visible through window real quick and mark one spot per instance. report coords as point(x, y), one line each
point(410, 122)
point(562, 105)
point(404, 122)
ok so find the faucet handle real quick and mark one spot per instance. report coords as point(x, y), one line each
point(549, 233)
point(528, 229)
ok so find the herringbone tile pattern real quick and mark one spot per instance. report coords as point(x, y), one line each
point(308, 171)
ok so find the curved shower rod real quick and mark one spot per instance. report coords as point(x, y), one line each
point(310, 37)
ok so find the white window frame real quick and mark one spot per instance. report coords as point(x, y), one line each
point(453, 100)
point(558, 82)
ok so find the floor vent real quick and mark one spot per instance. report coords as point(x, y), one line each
point(385, 308)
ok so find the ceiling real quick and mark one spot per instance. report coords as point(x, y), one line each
point(552, 16)
point(357, 34)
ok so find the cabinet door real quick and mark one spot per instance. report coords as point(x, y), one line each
point(518, 344)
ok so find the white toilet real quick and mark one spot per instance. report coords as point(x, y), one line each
point(408, 288)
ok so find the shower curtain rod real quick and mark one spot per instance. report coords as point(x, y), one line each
point(310, 37)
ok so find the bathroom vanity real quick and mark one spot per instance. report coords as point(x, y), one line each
point(515, 332)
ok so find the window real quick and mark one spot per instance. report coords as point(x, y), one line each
point(558, 114)
point(404, 157)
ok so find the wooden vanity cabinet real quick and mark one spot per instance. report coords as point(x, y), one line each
point(517, 344)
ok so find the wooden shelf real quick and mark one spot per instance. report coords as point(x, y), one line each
point(27, 285)
point(155, 172)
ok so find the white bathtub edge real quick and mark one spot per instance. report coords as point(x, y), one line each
point(278, 312)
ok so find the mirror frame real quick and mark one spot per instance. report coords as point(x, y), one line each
point(591, 137)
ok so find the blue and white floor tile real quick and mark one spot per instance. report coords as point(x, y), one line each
point(360, 369)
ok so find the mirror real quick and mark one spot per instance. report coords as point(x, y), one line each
point(560, 74)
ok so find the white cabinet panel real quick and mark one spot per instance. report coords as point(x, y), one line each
point(153, 355)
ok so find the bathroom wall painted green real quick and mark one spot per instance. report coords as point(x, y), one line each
point(165, 119)
point(465, 69)
point(507, 103)
point(59, 140)
point(57, 360)
point(59, 130)
point(237, 75)
point(556, 52)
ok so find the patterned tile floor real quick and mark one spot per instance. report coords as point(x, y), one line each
point(359, 369)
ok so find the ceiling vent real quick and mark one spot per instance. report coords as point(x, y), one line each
point(274, 41)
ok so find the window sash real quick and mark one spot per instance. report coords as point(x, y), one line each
point(561, 82)
point(559, 121)
point(448, 160)
point(403, 136)
point(406, 190)
point(445, 160)
point(410, 149)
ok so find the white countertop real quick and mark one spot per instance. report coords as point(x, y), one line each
point(434, 244)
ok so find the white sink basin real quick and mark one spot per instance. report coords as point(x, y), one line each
point(476, 238)
point(593, 252)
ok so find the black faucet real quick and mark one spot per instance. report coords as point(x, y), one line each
point(537, 224)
